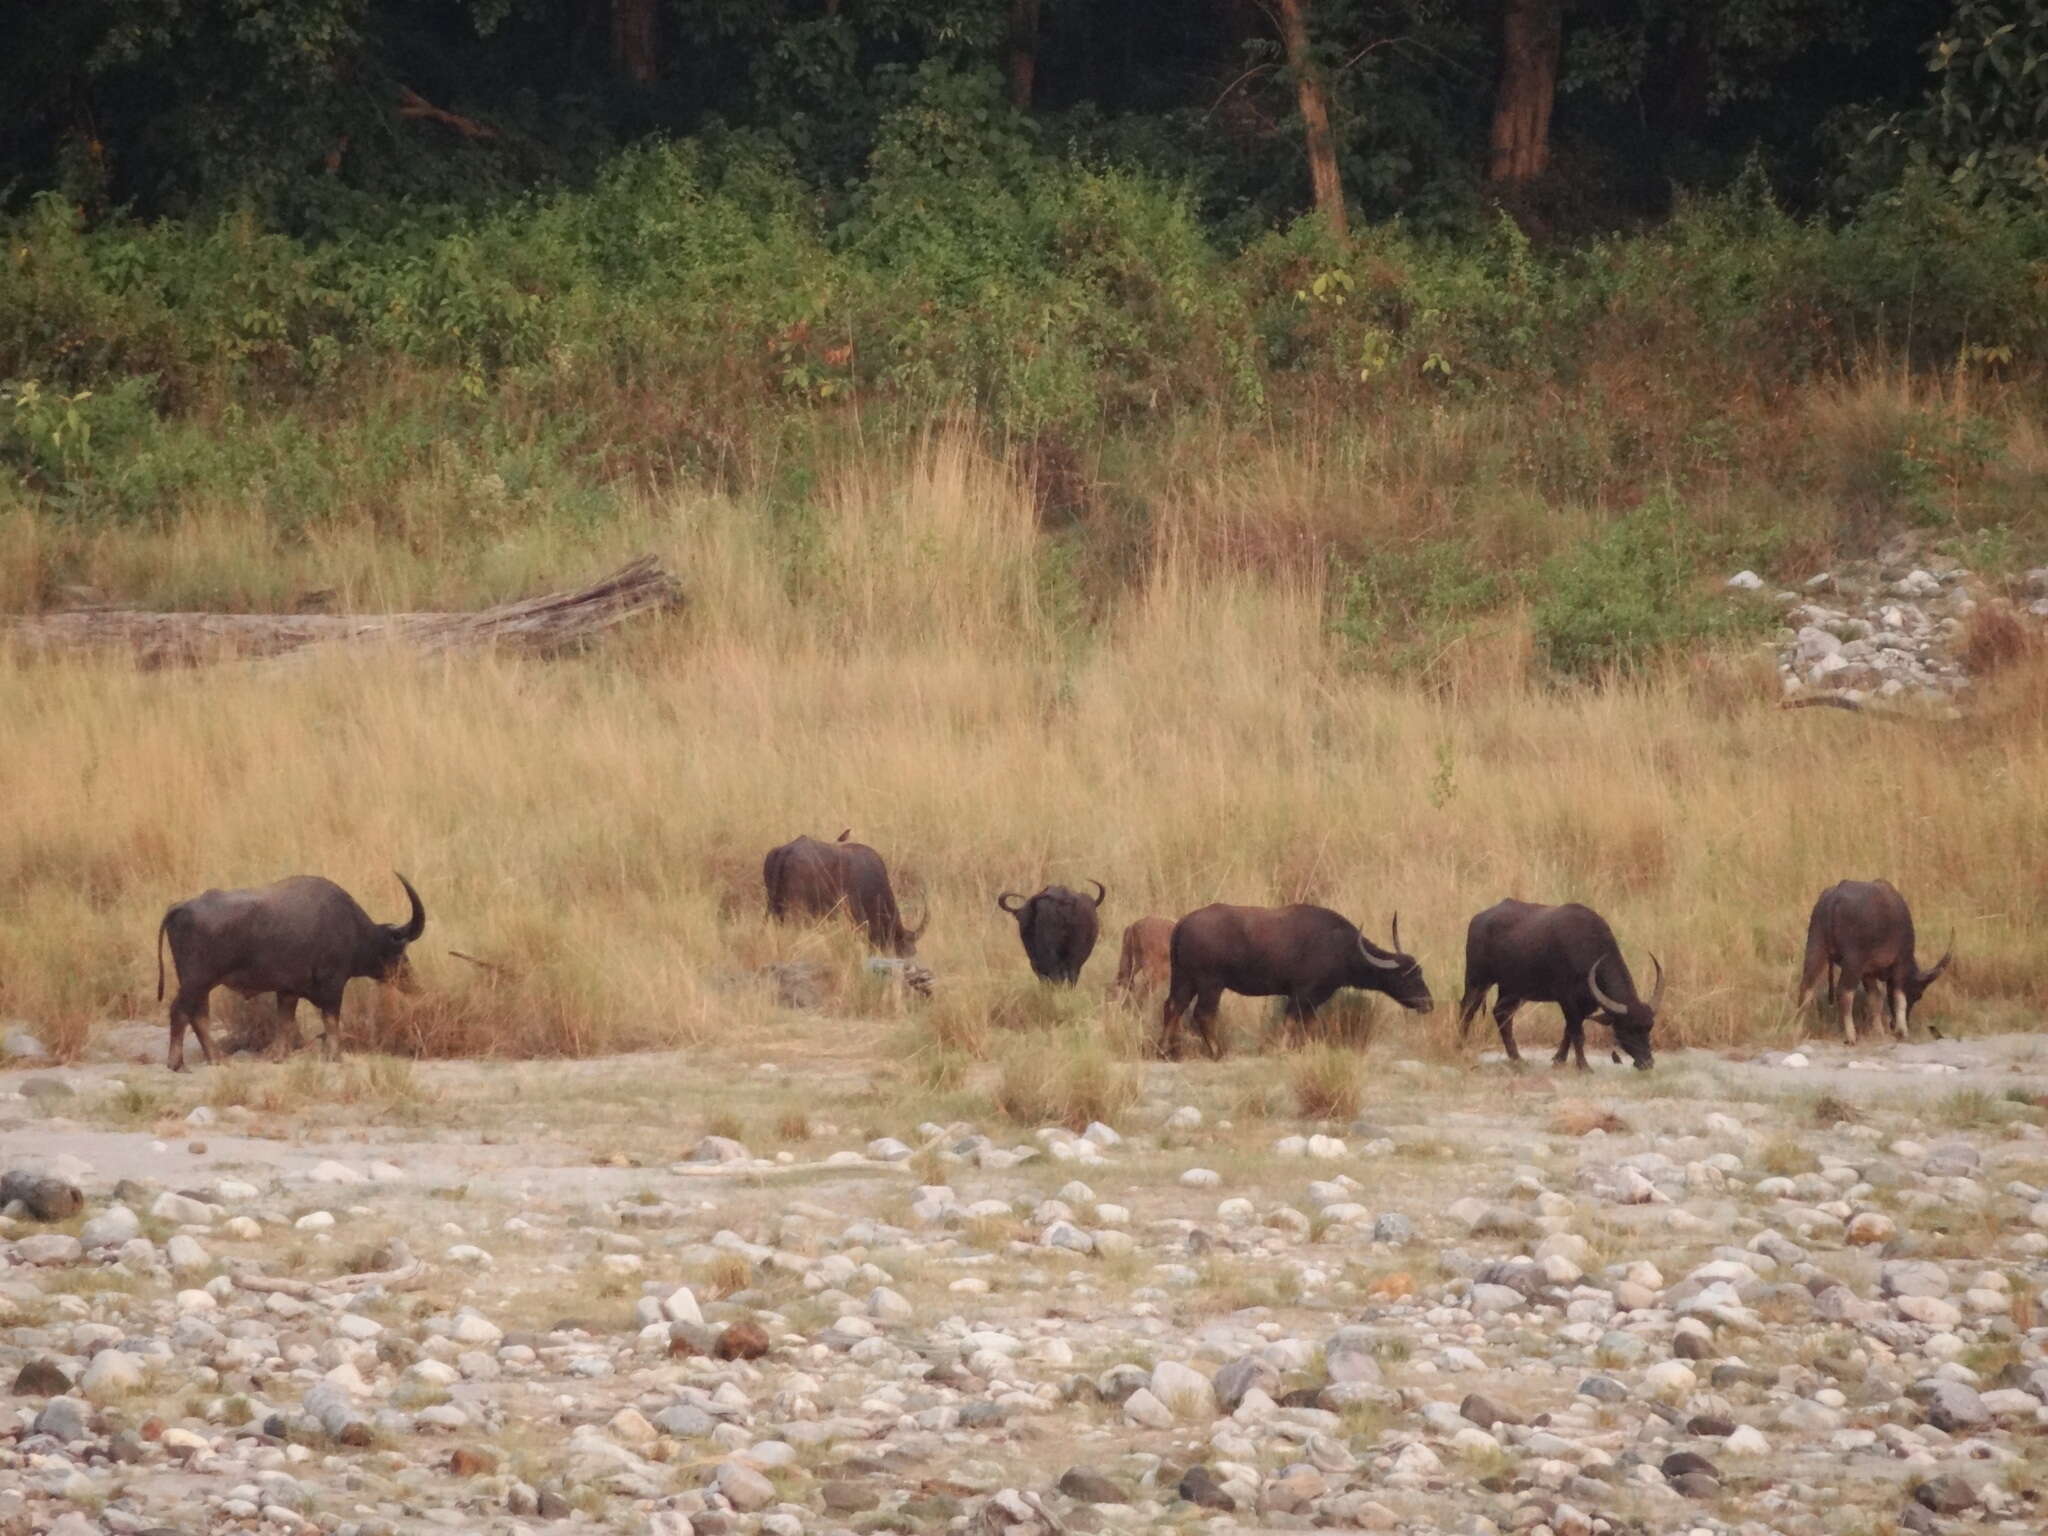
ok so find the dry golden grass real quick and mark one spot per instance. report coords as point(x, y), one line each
point(1328, 1082)
point(1577, 1117)
point(594, 828)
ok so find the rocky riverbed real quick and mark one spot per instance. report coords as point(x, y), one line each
point(1797, 1293)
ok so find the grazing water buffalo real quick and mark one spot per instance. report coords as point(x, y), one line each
point(1301, 953)
point(1146, 963)
point(1058, 927)
point(1564, 955)
point(807, 878)
point(302, 937)
point(1863, 929)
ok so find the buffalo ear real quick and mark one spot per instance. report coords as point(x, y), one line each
point(1010, 902)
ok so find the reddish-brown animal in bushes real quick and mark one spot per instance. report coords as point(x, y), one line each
point(810, 879)
point(1565, 955)
point(1058, 928)
point(1861, 935)
point(302, 937)
point(1302, 953)
point(1146, 963)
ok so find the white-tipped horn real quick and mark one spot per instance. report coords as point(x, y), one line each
point(1389, 963)
point(1593, 985)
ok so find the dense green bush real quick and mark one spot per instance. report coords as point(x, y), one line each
point(1632, 594)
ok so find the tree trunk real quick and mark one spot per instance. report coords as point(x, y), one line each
point(1315, 116)
point(1532, 35)
point(636, 46)
point(1020, 52)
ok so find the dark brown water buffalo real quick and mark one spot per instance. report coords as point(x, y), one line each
point(302, 937)
point(809, 879)
point(1058, 927)
point(1564, 955)
point(1861, 935)
point(1302, 953)
point(1146, 962)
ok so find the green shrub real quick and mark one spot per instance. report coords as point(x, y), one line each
point(1631, 594)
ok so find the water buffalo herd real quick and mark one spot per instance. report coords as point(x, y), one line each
point(307, 938)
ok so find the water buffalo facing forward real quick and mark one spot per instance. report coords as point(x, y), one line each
point(1564, 955)
point(302, 937)
point(1058, 927)
point(809, 879)
point(1863, 930)
point(1304, 954)
point(1146, 964)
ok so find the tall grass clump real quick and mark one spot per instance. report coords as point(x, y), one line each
point(1327, 1081)
point(1066, 1079)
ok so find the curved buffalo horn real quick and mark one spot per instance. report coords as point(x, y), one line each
point(1397, 933)
point(1657, 990)
point(415, 925)
point(1101, 891)
point(1947, 954)
point(1005, 900)
point(1593, 985)
point(844, 835)
point(1389, 964)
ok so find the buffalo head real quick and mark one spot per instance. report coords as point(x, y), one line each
point(1398, 975)
point(1631, 1021)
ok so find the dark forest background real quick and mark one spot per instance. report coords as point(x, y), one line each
point(417, 299)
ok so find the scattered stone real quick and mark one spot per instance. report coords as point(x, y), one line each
point(45, 1198)
point(41, 1378)
point(742, 1341)
point(1198, 1485)
point(1945, 1494)
point(1091, 1487)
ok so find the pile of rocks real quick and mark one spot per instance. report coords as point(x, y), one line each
point(1888, 629)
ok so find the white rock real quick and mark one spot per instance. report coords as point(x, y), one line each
point(1746, 581)
point(1326, 1148)
point(1143, 1409)
point(1187, 1392)
point(680, 1306)
point(1672, 1380)
point(186, 1254)
point(1201, 1178)
point(111, 1373)
point(330, 1172)
point(315, 1221)
point(1748, 1441)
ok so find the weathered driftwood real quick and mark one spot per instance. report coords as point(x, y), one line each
point(536, 626)
point(391, 1279)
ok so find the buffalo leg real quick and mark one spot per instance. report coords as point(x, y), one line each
point(285, 1040)
point(1574, 1041)
point(1468, 1010)
point(1177, 999)
point(1299, 1016)
point(189, 1007)
point(328, 1000)
point(1205, 1021)
point(1895, 996)
point(1504, 1020)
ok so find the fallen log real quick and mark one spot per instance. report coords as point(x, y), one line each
point(390, 1279)
point(535, 626)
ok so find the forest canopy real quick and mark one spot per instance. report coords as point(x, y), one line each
point(327, 117)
